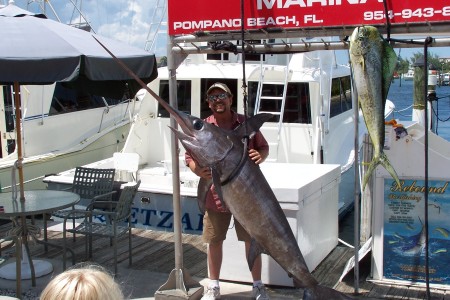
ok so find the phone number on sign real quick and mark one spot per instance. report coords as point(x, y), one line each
point(427, 12)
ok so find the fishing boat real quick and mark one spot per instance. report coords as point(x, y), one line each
point(408, 76)
point(63, 124)
point(309, 95)
point(61, 129)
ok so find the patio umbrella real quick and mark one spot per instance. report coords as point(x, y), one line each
point(36, 50)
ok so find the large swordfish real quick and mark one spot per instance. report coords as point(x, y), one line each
point(245, 191)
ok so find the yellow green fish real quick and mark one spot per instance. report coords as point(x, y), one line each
point(373, 62)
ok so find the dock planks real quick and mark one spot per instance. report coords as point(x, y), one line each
point(155, 251)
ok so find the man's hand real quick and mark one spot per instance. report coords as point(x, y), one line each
point(204, 172)
point(255, 156)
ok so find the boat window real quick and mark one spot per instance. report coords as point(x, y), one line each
point(341, 96)
point(67, 99)
point(183, 95)
point(297, 106)
point(8, 104)
point(217, 56)
point(254, 57)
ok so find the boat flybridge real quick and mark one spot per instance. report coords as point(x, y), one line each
point(308, 93)
point(287, 73)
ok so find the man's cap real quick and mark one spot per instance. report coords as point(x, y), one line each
point(221, 86)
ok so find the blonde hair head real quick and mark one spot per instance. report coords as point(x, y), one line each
point(86, 283)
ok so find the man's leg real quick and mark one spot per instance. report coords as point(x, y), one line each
point(259, 290)
point(257, 265)
point(215, 226)
point(215, 259)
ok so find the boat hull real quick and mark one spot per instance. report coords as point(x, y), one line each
point(37, 167)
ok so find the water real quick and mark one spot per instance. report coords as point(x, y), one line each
point(402, 96)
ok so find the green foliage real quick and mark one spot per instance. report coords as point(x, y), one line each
point(433, 59)
point(402, 65)
point(162, 62)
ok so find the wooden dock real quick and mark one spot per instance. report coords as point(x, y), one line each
point(154, 251)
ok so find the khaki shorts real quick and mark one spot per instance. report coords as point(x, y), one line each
point(216, 224)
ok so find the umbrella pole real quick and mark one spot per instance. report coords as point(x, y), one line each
point(17, 104)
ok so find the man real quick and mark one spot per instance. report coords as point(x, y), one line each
point(217, 218)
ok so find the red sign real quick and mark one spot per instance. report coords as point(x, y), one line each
point(189, 16)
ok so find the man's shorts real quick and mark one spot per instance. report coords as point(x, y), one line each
point(216, 224)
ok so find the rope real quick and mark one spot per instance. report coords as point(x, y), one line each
point(14, 180)
point(436, 111)
point(244, 81)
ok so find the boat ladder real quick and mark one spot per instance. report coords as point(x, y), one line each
point(270, 100)
point(158, 25)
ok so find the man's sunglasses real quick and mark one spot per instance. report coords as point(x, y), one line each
point(212, 98)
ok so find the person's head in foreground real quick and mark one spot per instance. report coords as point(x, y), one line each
point(90, 282)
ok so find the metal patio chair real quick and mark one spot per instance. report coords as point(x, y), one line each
point(92, 185)
point(117, 222)
point(6, 242)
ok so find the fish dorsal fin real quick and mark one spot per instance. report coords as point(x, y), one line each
point(252, 125)
point(389, 58)
point(254, 251)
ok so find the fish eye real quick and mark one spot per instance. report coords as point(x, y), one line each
point(198, 124)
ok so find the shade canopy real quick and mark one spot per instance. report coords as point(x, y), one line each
point(37, 50)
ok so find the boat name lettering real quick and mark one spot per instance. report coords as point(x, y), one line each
point(414, 188)
point(164, 219)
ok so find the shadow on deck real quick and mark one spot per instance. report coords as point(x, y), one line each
point(153, 260)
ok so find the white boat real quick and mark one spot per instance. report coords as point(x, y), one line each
point(408, 76)
point(60, 131)
point(445, 79)
point(317, 125)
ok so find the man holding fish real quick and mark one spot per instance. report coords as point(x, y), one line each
point(217, 217)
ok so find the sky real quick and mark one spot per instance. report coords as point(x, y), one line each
point(129, 20)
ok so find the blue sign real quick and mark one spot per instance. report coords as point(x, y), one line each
point(404, 231)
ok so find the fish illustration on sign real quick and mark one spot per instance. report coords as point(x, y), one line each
point(373, 62)
point(246, 192)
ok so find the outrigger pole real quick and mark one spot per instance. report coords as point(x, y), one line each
point(180, 284)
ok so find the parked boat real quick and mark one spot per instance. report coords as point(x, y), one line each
point(444, 79)
point(408, 75)
point(309, 93)
point(61, 129)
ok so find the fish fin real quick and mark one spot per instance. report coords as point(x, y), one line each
point(217, 185)
point(202, 190)
point(387, 165)
point(254, 251)
point(384, 161)
point(372, 165)
point(252, 125)
point(389, 63)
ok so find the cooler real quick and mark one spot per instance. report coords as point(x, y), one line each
point(308, 195)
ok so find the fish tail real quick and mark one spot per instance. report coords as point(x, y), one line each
point(373, 164)
point(383, 160)
point(387, 165)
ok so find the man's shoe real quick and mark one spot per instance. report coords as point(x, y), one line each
point(212, 293)
point(260, 293)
